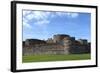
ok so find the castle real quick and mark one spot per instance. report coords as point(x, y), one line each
point(59, 44)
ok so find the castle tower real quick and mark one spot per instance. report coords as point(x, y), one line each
point(59, 38)
point(67, 45)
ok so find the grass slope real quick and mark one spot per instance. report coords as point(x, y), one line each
point(43, 58)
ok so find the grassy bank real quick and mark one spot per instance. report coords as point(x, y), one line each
point(43, 58)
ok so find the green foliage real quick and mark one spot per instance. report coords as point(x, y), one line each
point(45, 58)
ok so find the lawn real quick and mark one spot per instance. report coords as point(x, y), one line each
point(45, 58)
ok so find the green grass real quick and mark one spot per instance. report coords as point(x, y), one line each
point(45, 58)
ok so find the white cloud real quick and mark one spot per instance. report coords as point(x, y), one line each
point(42, 18)
point(42, 23)
point(72, 15)
point(29, 16)
point(60, 13)
point(68, 14)
point(26, 12)
point(40, 15)
point(26, 25)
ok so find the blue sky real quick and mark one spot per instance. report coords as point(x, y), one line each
point(45, 24)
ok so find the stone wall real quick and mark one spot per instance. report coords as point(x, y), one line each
point(60, 44)
point(43, 49)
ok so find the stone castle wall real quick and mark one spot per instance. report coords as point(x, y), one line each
point(60, 44)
